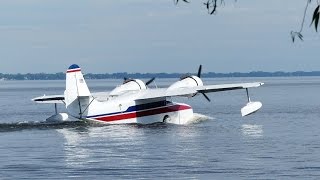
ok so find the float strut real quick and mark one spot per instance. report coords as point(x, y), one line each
point(248, 95)
point(55, 108)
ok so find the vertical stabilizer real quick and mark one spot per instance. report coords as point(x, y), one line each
point(77, 92)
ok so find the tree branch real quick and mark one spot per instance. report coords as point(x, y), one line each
point(212, 6)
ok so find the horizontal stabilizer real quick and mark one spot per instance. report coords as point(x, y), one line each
point(54, 99)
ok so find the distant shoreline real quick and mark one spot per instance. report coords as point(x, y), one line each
point(61, 76)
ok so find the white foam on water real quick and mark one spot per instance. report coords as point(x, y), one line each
point(198, 118)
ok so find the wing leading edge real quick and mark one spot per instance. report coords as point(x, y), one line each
point(228, 87)
point(162, 92)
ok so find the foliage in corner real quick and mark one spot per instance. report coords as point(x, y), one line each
point(315, 18)
point(212, 6)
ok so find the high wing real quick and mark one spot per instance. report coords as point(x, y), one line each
point(190, 91)
point(159, 92)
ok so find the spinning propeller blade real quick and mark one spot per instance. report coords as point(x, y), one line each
point(199, 76)
point(125, 80)
point(206, 97)
point(199, 71)
point(150, 81)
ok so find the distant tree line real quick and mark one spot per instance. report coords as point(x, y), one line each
point(61, 76)
point(35, 76)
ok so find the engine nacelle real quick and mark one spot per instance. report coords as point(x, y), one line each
point(128, 85)
point(188, 81)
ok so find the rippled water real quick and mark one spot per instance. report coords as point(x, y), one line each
point(281, 141)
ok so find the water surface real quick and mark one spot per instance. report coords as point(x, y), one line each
point(281, 141)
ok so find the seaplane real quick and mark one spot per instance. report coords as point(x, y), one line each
point(134, 102)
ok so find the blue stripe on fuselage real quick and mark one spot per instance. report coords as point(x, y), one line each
point(139, 107)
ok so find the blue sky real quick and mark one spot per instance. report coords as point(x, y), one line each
point(154, 36)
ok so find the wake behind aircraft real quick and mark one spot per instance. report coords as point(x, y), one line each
point(134, 102)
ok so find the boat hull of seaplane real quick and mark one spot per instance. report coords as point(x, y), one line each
point(147, 113)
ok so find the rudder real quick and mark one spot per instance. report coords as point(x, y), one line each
point(76, 90)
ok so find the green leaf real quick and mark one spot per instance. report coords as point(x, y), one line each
point(292, 36)
point(316, 11)
point(316, 22)
point(315, 14)
point(300, 36)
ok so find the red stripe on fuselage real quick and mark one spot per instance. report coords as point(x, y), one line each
point(143, 113)
point(73, 70)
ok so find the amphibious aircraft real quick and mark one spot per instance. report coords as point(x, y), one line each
point(134, 102)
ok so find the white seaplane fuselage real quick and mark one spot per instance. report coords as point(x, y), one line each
point(134, 102)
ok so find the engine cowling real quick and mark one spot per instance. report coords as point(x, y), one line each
point(185, 82)
point(189, 81)
point(128, 85)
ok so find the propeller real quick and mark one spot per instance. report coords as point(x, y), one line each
point(125, 80)
point(199, 76)
point(199, 71)
point(206, 96)
point(150, 81)
point(188, 75)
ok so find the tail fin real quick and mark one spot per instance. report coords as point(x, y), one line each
point(77, 93)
